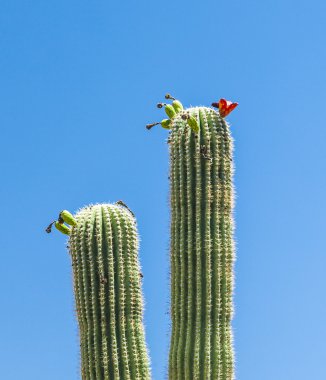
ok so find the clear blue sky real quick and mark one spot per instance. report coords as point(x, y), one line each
point(78, 82)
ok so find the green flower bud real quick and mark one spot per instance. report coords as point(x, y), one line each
point(166, 123)
point(192, 122)
point(62, 228)
point(68, 218)
point(178, 107)
point(169, 110)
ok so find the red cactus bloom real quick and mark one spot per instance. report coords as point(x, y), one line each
point(225, 106)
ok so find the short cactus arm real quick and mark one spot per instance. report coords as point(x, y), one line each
point(107, 285)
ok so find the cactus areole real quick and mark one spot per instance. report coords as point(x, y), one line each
point(107, 286)
point(202, 248)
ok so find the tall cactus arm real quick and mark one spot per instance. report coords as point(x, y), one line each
point(202, 249)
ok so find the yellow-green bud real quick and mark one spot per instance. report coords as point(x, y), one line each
point(166, 123)
point(68, 218)
point(169, 110)
point(192, 122)
point(178, 107)
point(62, 228)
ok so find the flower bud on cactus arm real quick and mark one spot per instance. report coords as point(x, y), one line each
point(169, 110)
point(176, 104)
point(166, 123)
point(62, 228)
point(67, 217)
point(191, 121)
point(64, 217)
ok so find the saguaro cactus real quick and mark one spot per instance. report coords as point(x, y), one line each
point(107, 277)
point(202, 250)
point(107, 285)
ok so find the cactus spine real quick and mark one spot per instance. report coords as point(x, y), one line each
point(202, 250)
point(107, 286)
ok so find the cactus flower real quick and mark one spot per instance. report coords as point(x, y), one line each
point(225, 106)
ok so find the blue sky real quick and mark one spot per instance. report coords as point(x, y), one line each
point(79, 81)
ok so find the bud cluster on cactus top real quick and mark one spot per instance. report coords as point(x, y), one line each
point(176, 108)
point(64, 217)
point(173, 110)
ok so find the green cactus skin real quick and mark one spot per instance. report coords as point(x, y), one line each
point(202, 248)
point(108, 295)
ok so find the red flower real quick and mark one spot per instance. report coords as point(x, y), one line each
point(225, 107)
